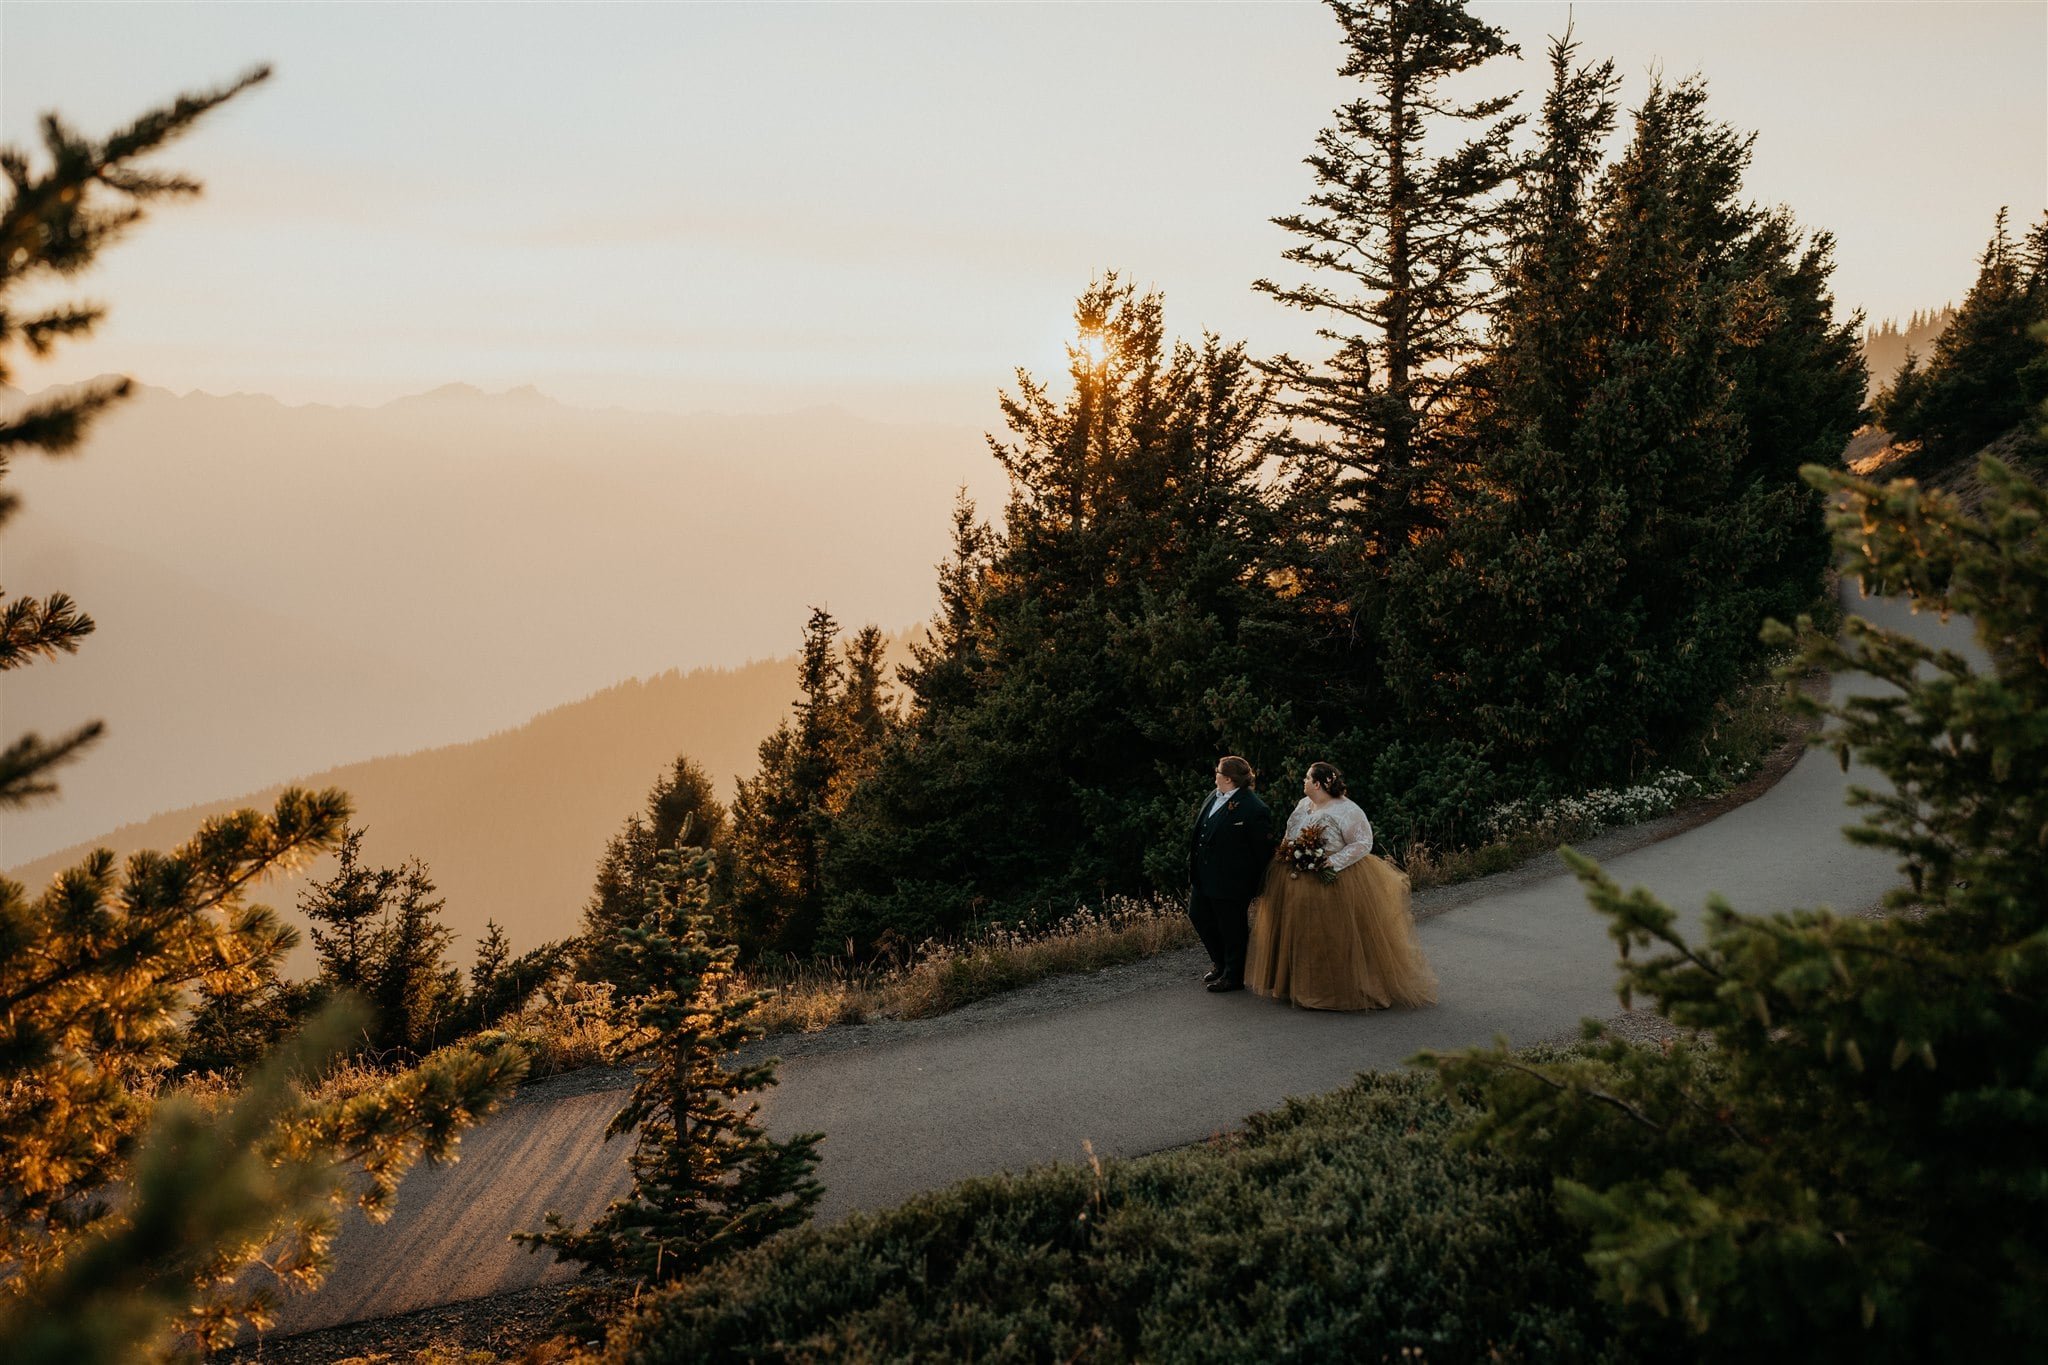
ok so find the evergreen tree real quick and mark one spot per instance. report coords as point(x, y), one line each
point(1404, 240)
point(1090, 656)
point(867, 712)
point(378, 932)
point(1854, 1169)
point(1535, 548)
point(681, 807)
point(942, 674)
point(416, 992)
point(707, 1181)
point(487, 971)
point(1541, 366)
point(1972, 390)
point(95, 976)
point(56, 221)
point(234, 1025)
point(501, 983)
point(348, 914)
point(129, 1229)
point(1666, 357)
point(782, 813)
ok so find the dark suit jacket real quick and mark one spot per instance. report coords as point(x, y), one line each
point(1227, 852)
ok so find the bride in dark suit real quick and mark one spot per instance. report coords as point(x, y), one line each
point(1342, 938)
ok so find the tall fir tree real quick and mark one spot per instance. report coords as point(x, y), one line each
point(682, 807)
point(1534, 546)
point(487, 976)
point(1666, 358)
point(377, 932)
point(347, 913)
point(779, 814)
point(415, 991)
point(783, 816)
point(1402, 241)
point(945, 665)
point(867, 712)
point(707, 1180)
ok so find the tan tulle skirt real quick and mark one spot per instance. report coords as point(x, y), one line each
point(1344, 945)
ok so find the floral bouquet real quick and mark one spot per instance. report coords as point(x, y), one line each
point(1305, 852)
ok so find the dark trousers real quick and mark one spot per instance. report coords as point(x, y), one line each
point(1225, 928)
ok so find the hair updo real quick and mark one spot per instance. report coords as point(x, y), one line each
point(1326, 776)
point(1238, 771)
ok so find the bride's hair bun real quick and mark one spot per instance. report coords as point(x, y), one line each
point(1326, 776)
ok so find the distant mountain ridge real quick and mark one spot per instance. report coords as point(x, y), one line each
point(512, 825)
point(287, 588)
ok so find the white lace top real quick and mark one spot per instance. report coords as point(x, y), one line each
point(1346, 831)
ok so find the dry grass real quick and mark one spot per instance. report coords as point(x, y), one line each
point(212, 1091)
point(1426, 867)
point(945, 976)
point(564, 1027)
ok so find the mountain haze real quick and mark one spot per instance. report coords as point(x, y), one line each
point(1886, 345)
point(512, 825)
point(282, 589)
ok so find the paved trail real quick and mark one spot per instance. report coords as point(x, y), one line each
point(1152, 1066)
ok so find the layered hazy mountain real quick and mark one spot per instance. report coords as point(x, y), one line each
point(512, 825)
point(281, 590)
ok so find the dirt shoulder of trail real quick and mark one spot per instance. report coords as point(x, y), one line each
point(503, 1327)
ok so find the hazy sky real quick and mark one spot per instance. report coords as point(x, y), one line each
point(881, 207)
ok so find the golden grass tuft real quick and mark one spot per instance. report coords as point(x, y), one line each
point(943, 976)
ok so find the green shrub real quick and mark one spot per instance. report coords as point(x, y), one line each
point(1858, 1173)
point(1345, 1227)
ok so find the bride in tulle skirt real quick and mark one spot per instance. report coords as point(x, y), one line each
point(1341, 937)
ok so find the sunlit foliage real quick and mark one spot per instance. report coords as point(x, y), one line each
point(132, 1229)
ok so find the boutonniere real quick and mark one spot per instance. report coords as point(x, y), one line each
point(1231, 804)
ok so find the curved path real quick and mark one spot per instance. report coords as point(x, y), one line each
point(1156, 1064)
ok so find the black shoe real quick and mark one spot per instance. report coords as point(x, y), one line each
point(1225, 984)
point(1214, 974)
